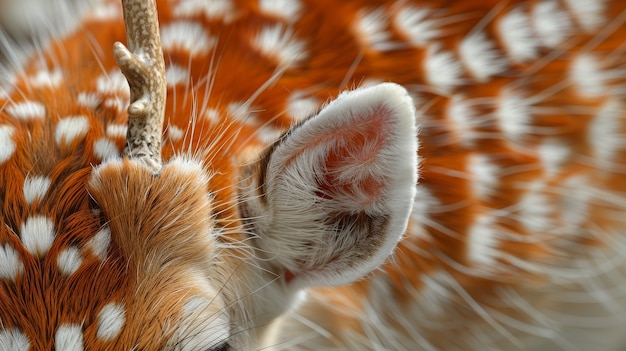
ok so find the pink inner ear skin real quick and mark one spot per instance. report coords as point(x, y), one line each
point(352, 164)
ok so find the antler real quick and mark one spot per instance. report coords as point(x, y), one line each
point(144, 69)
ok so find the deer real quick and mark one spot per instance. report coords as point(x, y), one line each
point(315, 175)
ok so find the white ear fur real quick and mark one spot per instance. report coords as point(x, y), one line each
point(336, 191)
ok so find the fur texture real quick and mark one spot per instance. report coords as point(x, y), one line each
point(514, 236)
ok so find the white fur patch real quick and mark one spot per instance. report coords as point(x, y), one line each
point(105, 149)
point(113, 83)
point(212, 115)
point(46, 78)
point(90, 100)
point(27, 110)
point(589, 13)
point(442, 69)
point(485, 175)
point(212, 9)
point(286, 9)
point(176, 75)
point(371, 29)
point(117, 103)
point(463, 119)
point(575, 201)
point(35, 187)
point(514, 115)
point(69, 337)
point(301, 107)
point(417, 25)
point(483, 241)
point(105, 11)
point(536, 214)
point(201, 325)
point(37, 234)
point(588, 76)
point(606, 133)
point(517, 36)
point(241, 113)
point(278, 42)
point(552, 24)
point(99, 244)
point(7, 145)
point(69, 261)
point(174, 133)
point(117, 130)
point(13, 340)
point(111, 320)
point(553, 155)
point(10, 264)
point(481, 57)
point(71, 128)
point(190, 37)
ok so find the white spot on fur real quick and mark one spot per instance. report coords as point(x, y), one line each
point(69, 260)
point(117, 130)
point(99, 244)
point(589, 13)
point(301, 107)
point(514, 115)
point(46, 78)
point(517, 36)
point(278, 42)
point(175, 75)
point(485, 175)
point(551, 23)
point(111, 319)
point(535, 211)
point(241, 112)
point(212, 9)
point(212, 115)
point(113, 83)
point(105, 149)
point(35, 187)
point(7, 145)
point(575, 201)
point(442, 69)
point(463, 119)
point(27, 110)
point(69, 337)
point(37, 234)
point(285, 9)
point(482, 244)
point(90, 100)
point(13, 340)
point(71, 128)
point(190, 37)
point(105, 11)
point(116, 103)
point(553, 155)
point(606, 133)
point(481, 57)
point(417, 25)
point(174, 133)
point(10, 265)
point(371, 29)
point(587, 75)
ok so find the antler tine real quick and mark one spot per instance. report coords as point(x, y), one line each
point(144, 68)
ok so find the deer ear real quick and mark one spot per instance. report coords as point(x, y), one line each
point(330, 200)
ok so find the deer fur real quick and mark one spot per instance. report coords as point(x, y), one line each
point(253, 181)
